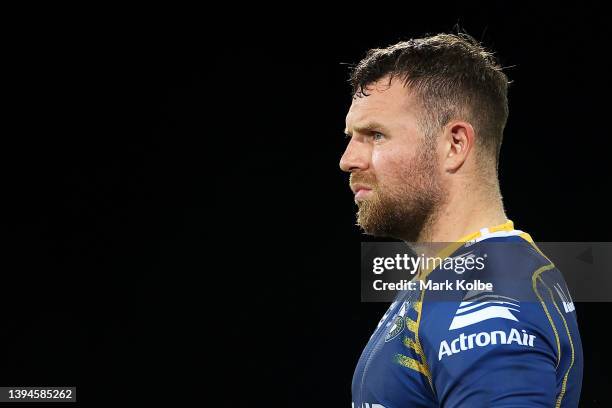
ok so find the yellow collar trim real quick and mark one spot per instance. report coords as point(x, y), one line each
point(451, 248)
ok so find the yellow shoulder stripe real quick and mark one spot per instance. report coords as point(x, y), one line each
point(411, 363)
point(534, 282)
point(569, 336)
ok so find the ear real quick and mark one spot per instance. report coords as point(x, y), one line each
point(459, 140)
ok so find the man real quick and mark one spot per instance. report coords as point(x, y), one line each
point(425, 129)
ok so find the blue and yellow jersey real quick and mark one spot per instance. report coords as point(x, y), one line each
point(515, 345)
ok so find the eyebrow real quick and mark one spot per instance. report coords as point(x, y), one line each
point(368, 127)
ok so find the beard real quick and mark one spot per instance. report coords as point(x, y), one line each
point(405, 209)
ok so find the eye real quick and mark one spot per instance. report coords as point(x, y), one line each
point(377, 136)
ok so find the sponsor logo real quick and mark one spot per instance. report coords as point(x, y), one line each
point(483, 339)
point(382, 320)
point(386, 314)
point(568, 303)
point(480, 306)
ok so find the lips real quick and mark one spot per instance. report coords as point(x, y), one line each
point(360, 190)
point(357, 187)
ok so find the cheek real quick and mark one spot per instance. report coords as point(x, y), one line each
point(389, 165)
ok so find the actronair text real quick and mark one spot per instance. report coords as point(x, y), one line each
point(463, 342)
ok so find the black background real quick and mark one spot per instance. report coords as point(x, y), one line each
point(179, 227)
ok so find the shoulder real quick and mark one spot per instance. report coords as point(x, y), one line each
point(514, 265)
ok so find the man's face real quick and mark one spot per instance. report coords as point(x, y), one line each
point(394, 167)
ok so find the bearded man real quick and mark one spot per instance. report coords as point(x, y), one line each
point(425, 130)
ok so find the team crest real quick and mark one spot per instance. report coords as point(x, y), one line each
point(397, 324)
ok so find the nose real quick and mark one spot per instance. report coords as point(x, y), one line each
point(355, 157)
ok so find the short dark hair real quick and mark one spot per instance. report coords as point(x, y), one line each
point(452, 75)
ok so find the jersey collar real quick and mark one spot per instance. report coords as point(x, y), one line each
point(473, 237)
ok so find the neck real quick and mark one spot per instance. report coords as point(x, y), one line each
point(463, 214)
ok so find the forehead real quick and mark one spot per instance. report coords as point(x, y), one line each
point(386, 103)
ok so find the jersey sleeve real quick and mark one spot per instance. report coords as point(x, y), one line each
point(502, 363)
point(513, 347)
